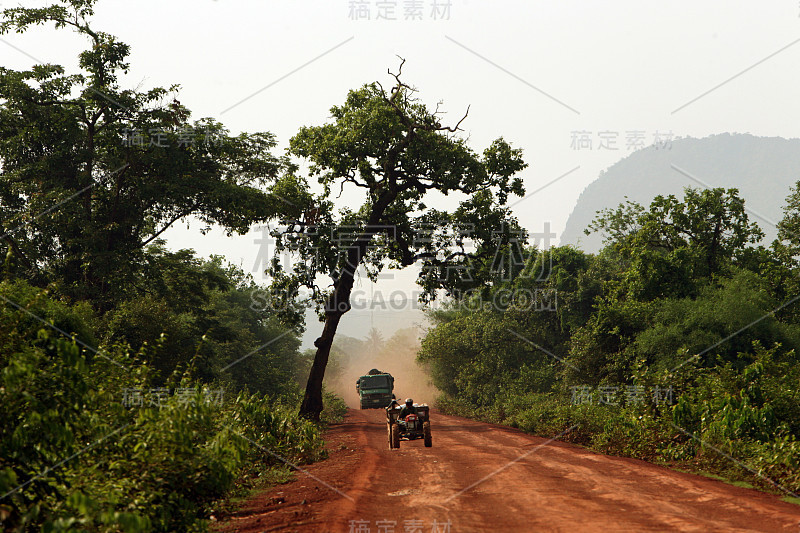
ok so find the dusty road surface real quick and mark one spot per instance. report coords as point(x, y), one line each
point(483, 478)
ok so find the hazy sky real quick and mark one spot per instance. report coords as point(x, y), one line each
point(533, 72)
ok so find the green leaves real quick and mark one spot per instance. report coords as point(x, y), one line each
point(395, 148)
point(675, 246)
point(121, 165)
point(74, 456)
point(503, 161)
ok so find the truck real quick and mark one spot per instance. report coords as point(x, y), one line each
point(375, 389)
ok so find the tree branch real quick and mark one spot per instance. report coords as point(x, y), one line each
point(174, 219)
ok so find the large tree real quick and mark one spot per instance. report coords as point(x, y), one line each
point(91, 172)
point(397, 151)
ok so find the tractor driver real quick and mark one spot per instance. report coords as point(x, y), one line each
point(408, 409)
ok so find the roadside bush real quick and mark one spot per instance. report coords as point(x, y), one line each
point(335, 408)
point(630, 434)
point(88, 444)
point(151, 469)
point(548, 416)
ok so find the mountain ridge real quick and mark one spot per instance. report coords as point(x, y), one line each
point(764, 169)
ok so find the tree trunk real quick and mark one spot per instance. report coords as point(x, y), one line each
point(312, 401)
point(337, 305)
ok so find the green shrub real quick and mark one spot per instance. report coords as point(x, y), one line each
point(128, 469)
point(335, 408)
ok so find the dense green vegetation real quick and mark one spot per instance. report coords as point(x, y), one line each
point(146, 438)
point(677, 343)
point(139, 386)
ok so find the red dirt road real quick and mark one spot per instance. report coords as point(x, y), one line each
point(479, 478)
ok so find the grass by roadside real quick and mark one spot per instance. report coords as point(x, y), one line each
point(647, 433)
point(256, 478)
point(159, 466)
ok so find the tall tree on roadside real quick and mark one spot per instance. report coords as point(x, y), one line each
point(91, 172)
point(396, 150)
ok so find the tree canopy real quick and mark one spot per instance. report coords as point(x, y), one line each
point(390, 145)
point(93, 172)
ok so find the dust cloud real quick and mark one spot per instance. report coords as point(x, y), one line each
point(352, 358)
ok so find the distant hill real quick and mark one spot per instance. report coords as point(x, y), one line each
point(762, 168)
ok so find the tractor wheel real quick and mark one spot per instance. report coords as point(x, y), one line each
point(426, 432)
point(395, 436)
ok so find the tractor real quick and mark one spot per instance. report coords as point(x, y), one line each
point(414, 426)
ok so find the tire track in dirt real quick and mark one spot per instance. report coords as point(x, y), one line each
point(358, 485)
